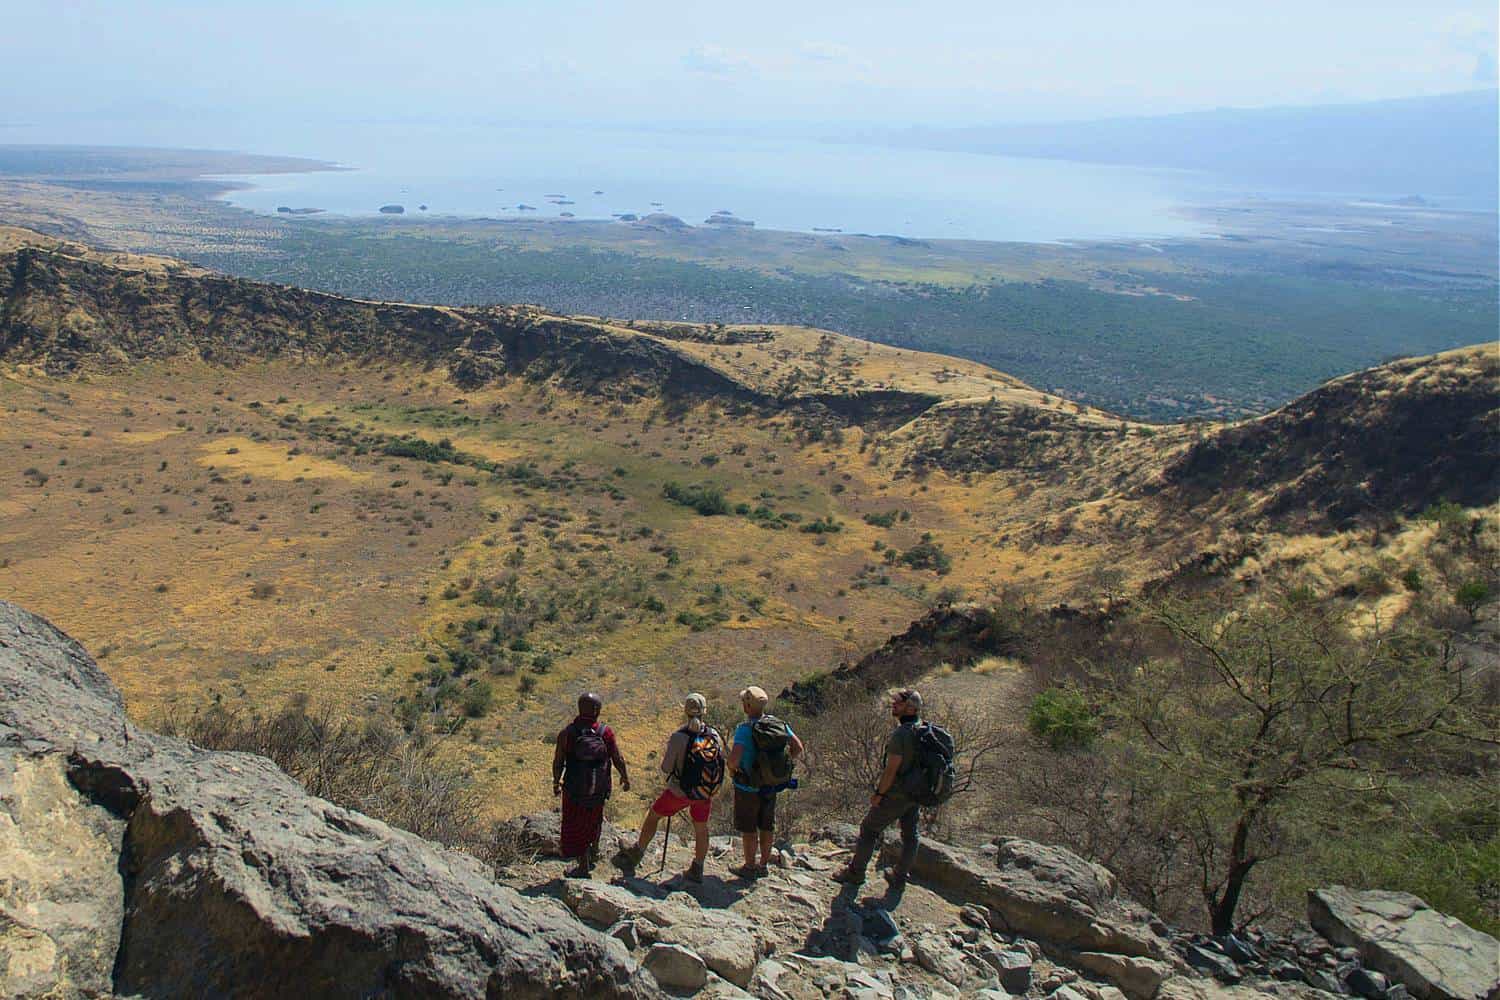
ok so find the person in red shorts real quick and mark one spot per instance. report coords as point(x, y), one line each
point(694, 765)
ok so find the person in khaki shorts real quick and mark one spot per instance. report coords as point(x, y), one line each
point(763, 746)
point(891, 803)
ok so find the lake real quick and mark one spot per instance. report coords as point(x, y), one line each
point(776, 182)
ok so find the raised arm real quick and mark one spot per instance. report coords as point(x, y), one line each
point(797, 747)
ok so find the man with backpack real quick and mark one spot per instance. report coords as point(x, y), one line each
point(694, 765)
point(581, 775)
point(764, 752)
point(918, 771)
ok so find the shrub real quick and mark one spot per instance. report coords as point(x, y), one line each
point(1063, 719)
point(478, 698)
point(928, 554)
point(393, 775)
point(707, 499)
point(1471, 596)
point(261, 589)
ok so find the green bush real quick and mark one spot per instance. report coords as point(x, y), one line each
point(707, 499)
point(1063, 719)
point(478, 699)
point(1472, 596)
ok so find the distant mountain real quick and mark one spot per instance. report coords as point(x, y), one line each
point(1445, 147)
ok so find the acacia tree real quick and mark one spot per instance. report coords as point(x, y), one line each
point(1249, 716)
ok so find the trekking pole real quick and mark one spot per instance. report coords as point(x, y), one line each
point(665, 841)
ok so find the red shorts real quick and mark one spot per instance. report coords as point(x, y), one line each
point(669, 803)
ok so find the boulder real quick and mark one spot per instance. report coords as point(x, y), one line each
point(1046, 893)
point(803, 977)
point(234, 881)
point(676, 967)
point(1435, 956)
point(726, 942)
point(1195, 988)
point(61, 895)
point(933, 953)
point(1138, 977)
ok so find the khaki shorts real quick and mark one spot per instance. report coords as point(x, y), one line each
point(754, 812)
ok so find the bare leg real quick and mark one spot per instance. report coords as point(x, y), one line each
point(700, 842)
point(766, 836)
point(648, 829)
point(748, 839)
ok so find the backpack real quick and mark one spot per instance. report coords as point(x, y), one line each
point(773, 763)
point(702, 769)
point(586, 776)
point(932, 776)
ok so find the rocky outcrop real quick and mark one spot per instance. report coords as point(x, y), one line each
point(958, 634)
point(1433, 955)
point(1047, 894)
point(140, 864)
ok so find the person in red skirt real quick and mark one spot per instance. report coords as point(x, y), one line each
point(581, 776)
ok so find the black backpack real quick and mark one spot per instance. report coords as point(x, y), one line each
point(932, 777)
point(702, 768)
point(773, 759)
point(586, 776)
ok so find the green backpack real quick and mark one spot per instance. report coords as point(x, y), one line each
point(773, 759)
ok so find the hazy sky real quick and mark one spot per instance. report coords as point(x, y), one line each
point(972, 61)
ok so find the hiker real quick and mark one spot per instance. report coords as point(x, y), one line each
point(694, 765)
point(918, 771)
point(580, 774)
point(761, 762)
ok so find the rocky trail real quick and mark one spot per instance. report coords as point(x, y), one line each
point(135, 864)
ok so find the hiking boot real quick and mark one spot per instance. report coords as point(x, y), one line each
point(628, 858)
point(581, 870)
point(748, 871)
point(895, 878)
point(694, 872)
point(848, 876)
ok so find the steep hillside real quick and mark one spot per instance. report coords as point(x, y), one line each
point(1367, 447)
point(65, 309)
point(452, 519)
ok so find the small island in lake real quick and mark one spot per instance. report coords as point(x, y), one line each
point(393, 209)
point(286, 210)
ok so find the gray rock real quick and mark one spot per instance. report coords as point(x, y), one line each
point(804, 977)
point(878, 925)
point(676, 967)
point(975, 915)
point(1287, 972)
point(626, 933)
point(1435, 956)
point(1368, 983)
point(1014, 969)
point(726, 942)
point(240, 883)
point(1217, 965)
point(1196, 988)
point(1041, 892)
point(1138, 977)
point(61, 895)
point(841, 834)
point(937, 956)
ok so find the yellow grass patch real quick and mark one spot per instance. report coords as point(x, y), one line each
point(271, 461)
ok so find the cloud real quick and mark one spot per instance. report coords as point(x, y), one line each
point(826, 52)
point(1484, 68)
point(715, 60)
